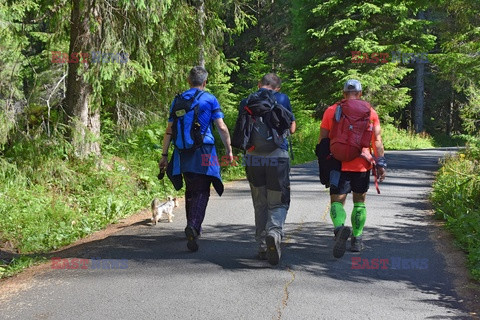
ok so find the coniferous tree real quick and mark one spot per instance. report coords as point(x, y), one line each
point(338, 40)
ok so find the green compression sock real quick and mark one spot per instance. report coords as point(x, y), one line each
point(338, 214)
point(359, 215)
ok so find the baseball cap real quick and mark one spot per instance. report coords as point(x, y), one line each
point(352, 85)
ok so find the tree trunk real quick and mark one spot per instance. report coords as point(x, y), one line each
point(419, 100)
point(201, 27)
point(420, 88)
point(450, 112)
point(83, 121)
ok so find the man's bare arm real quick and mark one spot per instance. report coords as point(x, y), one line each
point(224, 135)
point(293, 127)
point(379, 151)
point(166, 143)
point(323, 134)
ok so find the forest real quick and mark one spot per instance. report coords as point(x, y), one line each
point(86, 86)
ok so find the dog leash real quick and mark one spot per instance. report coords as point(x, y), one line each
point(160, 177)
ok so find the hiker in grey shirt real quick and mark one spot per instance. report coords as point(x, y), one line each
point(268, 173)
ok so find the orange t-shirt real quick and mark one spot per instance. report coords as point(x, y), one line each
point(358, 164)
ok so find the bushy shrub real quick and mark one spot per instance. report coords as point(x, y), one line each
point(456, 197)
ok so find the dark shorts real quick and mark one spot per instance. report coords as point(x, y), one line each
point(357, 182)
point(196, 182)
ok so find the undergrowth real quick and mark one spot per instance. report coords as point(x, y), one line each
point(50, 199)
point(456, 198)
point(400, 139)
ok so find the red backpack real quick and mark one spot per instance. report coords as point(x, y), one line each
point(351, 130)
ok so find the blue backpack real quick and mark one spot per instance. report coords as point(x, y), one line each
point(186, 130)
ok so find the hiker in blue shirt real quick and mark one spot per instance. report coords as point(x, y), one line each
point(190, 164)
point(268, 173)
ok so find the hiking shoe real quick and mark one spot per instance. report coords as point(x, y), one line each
point(262, 255)
point(273, 249)
point(335, 231)
point(356, 244)
point(342, 233)
point(192, 235)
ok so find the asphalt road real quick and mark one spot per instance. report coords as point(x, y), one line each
point(224, 281)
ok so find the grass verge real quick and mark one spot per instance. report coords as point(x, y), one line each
point(456, 198)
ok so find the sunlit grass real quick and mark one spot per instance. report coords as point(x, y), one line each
point(456, 198)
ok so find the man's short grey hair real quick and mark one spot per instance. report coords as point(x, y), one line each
point(271, 80)
point(197, 76)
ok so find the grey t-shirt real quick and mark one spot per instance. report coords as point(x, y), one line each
point(277, 153)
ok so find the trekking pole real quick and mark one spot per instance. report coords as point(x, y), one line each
point(374, 172)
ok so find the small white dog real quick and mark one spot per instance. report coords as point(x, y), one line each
point(163, 210)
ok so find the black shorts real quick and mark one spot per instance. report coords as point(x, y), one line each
point(358, 182)
point(196, 182)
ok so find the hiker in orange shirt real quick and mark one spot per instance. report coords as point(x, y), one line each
point(354, 175)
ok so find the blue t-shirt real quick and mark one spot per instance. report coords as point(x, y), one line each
point(283, 99)
point(209, 110)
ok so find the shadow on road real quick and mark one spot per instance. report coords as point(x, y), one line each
point(307, 248)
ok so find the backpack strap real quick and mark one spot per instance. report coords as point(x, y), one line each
point(197, 94)
point(195, 97)
point(173, 104)
point(338, 112)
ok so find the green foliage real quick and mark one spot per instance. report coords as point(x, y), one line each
point(471, 111)
point(253, 70)
point(335, 29)
point(380, 89)
point(13, 37)
point(7, 123)
point(70, 198)
point(305, 138)
point(456, 63)
point(456, 197)
point(399, 139)
point(18, 264)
